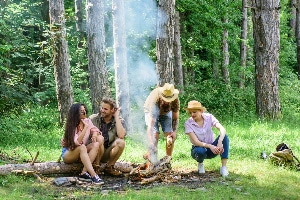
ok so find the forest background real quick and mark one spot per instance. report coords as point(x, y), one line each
point(28, 86)
point(27, 60)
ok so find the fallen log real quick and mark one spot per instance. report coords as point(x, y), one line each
point(48, 168)
point(45, 168)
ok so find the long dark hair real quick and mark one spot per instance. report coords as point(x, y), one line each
point(73, 121)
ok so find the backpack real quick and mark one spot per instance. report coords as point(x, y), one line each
point(283, 156)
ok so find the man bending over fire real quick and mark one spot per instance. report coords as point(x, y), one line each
point(161, 107)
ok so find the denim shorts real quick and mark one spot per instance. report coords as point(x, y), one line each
point(63, 152)
point(165, 121)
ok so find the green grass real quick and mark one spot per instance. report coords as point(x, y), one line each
point(250, 177)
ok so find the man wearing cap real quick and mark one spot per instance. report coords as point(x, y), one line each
point(161, 108)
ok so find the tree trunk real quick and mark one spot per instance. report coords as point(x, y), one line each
point(79, 22)
point(293, 16)
point(120, 60)
point(298, 35)
point(243, 47)
point(64, 90)
point(215, 67)
point(266, 47)
point(164, 41)
point(45, 10)
point(178, 76)
point(98, 72)
point(225, 51)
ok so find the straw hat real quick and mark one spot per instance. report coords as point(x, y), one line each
point(168, 92)
point(195, 105)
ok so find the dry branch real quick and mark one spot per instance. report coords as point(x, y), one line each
point(150, 180)
point(33, 161)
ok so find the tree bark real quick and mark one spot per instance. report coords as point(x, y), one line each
point(243, 45)
point(120, 60)
point(45, 10)
point(98, 72)
point(79, 22)
point(164, 41)
point(225, 49)
point(293, 14)
point(266, 47)
point(64, 90)
point(178, 76)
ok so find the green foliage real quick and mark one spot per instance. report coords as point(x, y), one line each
point(202, 25)
point(290, 95)
point(221, 100)
point(21, 30)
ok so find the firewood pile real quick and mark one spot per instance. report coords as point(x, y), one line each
point(150, 172)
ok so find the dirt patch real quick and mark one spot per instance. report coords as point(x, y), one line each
point(189, 179)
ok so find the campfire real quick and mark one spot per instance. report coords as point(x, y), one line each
point(151, 171)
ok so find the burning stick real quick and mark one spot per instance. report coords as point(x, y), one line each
point(138, 168)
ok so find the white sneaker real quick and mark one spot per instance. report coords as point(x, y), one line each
point(224, 171)
point(201, 169)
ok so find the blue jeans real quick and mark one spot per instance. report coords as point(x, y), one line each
point(201, 153)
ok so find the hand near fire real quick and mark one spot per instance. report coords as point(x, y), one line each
point(170, 139)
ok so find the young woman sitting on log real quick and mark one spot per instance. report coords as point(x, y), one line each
point(78, 131)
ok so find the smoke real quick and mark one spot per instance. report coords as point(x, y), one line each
point(140, 23)
point(141, 33)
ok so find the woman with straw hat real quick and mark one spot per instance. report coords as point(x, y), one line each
point(199, 128)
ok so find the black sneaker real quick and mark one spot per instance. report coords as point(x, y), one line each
point(85, 177)
point(97, 180)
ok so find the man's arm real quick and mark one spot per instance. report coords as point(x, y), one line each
point(121, 132)
point(175, 120)
point(175, 116)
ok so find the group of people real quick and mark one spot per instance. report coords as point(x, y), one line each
point(99, 138)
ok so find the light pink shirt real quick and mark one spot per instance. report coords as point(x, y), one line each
point(204, 133)
point(92, 128)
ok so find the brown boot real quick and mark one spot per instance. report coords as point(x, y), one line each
point(112, 171)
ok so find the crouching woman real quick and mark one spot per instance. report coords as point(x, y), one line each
point(75, 148)
point(199, 128)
